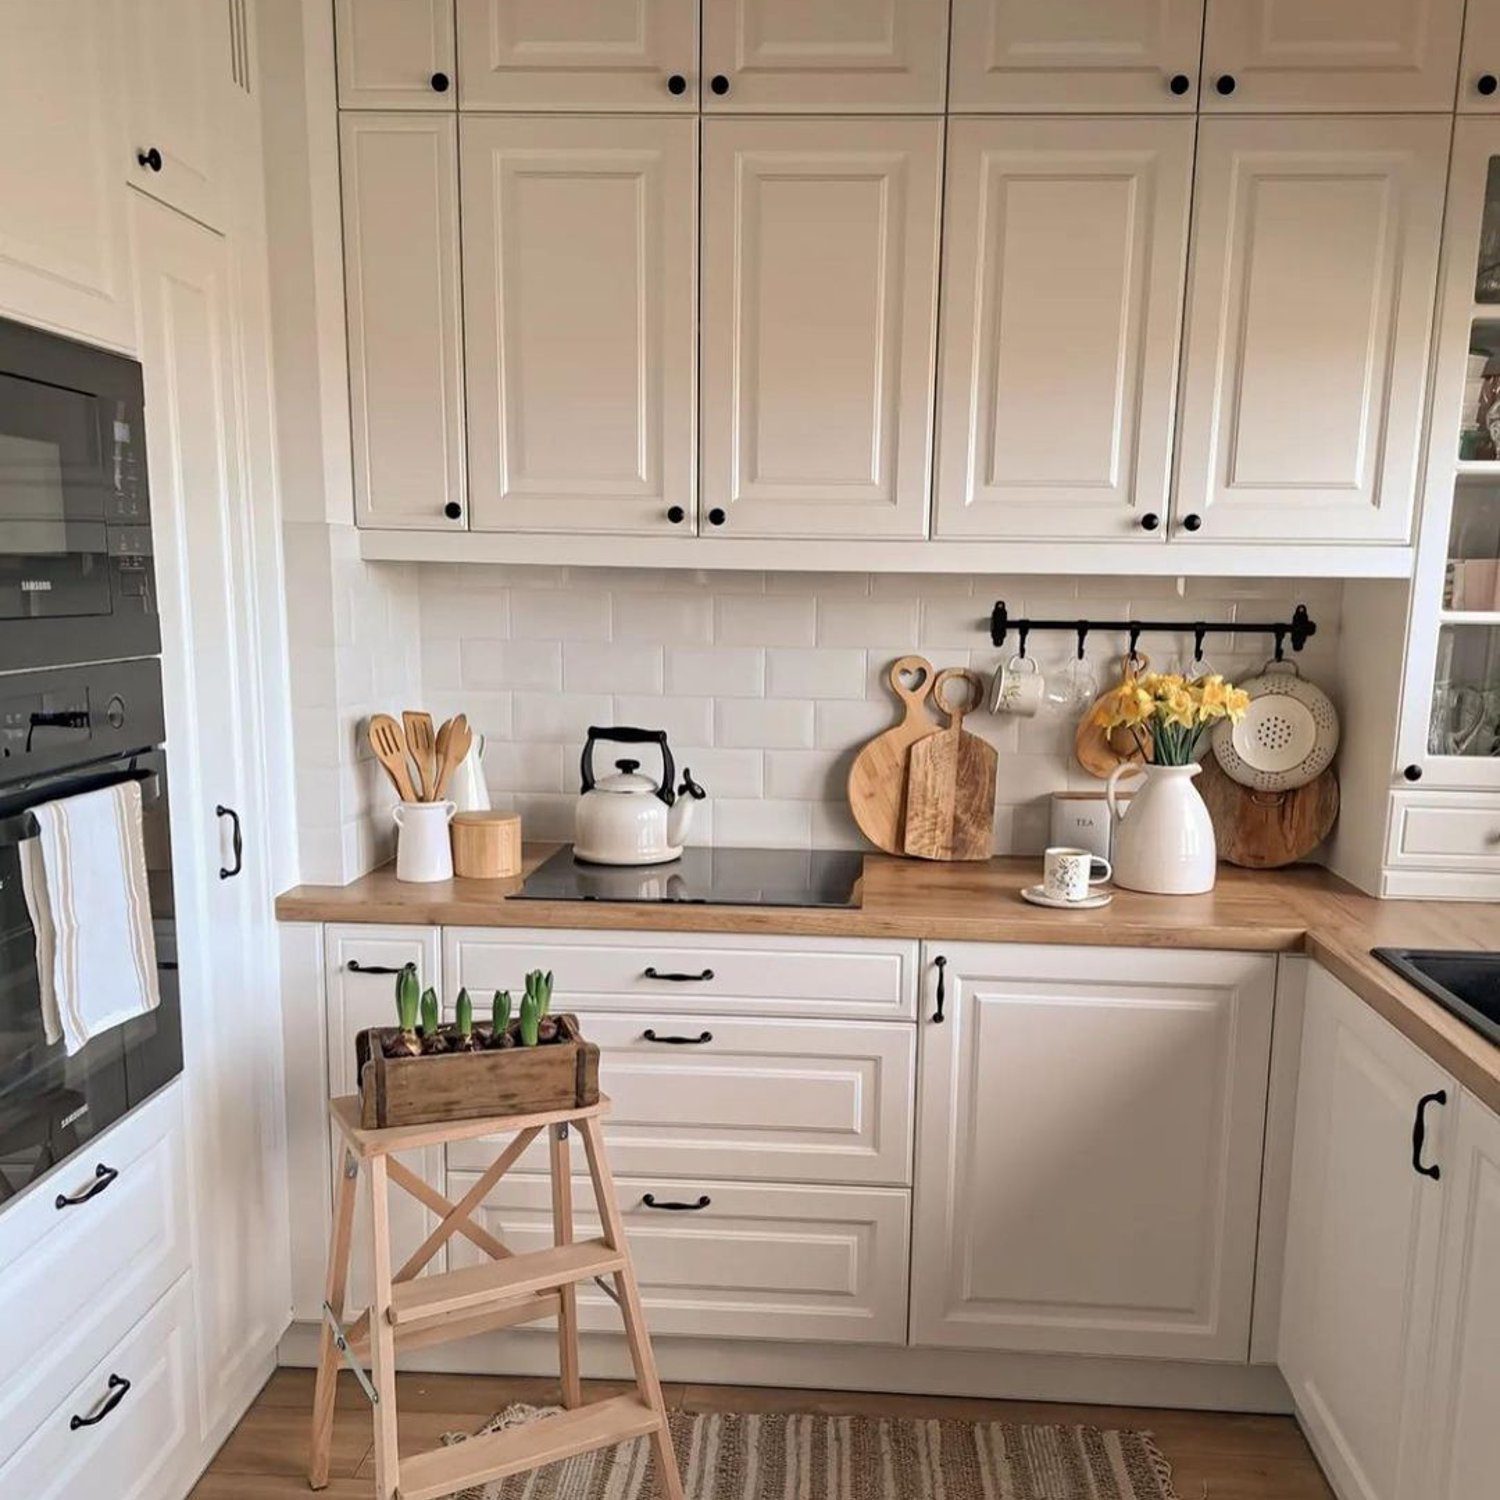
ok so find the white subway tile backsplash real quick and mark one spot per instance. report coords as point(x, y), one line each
point(762, 822)
point(764, 723)
point(806, 775)
point(839, 725)
point(871, 623)
point(664, 618)
point(611, 667)
point(815, 674)
point(688, 721)
point(560, 615)
point(716, 672)
point(511, 665)
point(753, 620)
point(723, 772)
point(559, 716)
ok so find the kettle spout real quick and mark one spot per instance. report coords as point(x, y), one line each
point(680, 816)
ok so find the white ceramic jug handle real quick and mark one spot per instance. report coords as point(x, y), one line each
point(449, 808)
point(1116, 812)
point(396, 812)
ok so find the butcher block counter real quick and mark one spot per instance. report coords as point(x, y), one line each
point(1299, 910)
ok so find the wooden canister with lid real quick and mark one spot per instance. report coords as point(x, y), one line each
point(486, 845)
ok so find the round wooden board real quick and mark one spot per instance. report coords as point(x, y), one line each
point(1099, 752)
point(1265, 830)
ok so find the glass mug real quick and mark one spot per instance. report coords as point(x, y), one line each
point(1068, 874)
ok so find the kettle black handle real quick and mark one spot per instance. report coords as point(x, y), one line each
point(622, 735)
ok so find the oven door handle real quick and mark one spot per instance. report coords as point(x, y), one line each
point(19, 827)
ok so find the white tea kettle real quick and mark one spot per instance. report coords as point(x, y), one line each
point(627, 818)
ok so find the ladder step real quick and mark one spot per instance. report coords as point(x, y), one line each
point(429, 1476)
point(495, 1281)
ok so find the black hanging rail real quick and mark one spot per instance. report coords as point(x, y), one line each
point(1298, 630)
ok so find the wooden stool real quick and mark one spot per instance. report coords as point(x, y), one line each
point(408, 1312)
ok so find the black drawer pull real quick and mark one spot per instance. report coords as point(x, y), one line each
point(355, 967)
point(706, 975)
point(942, 968)
point(1419, 1133)
point(650, 1201)
point(237, 840)
point(678, 1041)
point(103, 1176)
point(118, 1388)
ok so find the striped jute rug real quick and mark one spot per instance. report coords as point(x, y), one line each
point(779, 1457)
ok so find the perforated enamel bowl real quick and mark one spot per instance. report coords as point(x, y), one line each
point(1287, 737)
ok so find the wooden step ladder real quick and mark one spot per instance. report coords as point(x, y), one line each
point(407, 1312)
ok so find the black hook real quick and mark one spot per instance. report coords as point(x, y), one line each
point(1082, 628)
point(1280, 642)
point(1135, 640)
point(1025, 631)
point(1199, 631)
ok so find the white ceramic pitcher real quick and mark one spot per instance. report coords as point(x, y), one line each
point(1164, 837)
point(423, 851)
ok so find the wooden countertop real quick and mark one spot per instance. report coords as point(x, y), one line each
point(1300, 910)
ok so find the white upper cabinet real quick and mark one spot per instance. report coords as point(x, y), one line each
point(1095, 55)
point(401, 287)
point(1089, 1149)
point(1479, 73)
point(580, 293)
point(1276, 55)
point(1314, 267)
point(64, 239)
point(819, 298)
point(1064, 249)
point(578, 54)
point(395, 54)
point(806, 56)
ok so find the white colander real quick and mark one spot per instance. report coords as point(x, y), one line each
point(1287, 737)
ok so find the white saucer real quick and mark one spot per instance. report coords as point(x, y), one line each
point(1038, 896)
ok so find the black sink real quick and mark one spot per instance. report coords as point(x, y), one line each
point(1468, 984)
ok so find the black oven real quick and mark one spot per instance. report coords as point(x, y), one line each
point(76, 577)
point(64, 731)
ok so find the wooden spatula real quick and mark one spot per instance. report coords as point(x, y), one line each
point(950, 782)
point(423, 746)
point(877, 779)
point(389, 745)
point(453, 743)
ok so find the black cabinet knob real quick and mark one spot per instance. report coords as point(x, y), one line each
point(1192, 521)
point(676, 514)
point(439, 82)
point(1487, 84)
point(1224, 83)
point(453, 510)
point(719, 84)
point(716, 516)
point(1150, 521)
point(1413, 773)
point(677, 84)
point(1180, 83)
point(150, 158)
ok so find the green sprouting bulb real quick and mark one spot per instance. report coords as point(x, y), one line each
point(429, 1013)
point(501, 1013)
point(465, 1015)
point(408, 995)
point(531, 1019)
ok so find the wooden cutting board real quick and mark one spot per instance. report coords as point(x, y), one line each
point(950, 782)
point(877, 779)
point(1265, 830)
point(1098, 751)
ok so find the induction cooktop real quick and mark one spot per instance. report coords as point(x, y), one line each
point(708, 877)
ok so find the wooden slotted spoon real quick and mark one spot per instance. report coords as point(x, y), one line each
point(423, 746)
point(389, 745)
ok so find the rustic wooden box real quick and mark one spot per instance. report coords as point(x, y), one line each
point(471, 1085)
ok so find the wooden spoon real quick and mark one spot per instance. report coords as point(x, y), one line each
point(454, 741)
point(420, 741)
point(389, 745)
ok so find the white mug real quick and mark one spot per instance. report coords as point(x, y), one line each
point(1067, 874)
point(1018, 688)
point(423, 851)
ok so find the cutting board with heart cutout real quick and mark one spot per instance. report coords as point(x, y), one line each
point(877, 779)
point(950, 781)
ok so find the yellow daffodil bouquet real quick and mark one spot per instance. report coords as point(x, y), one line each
point(1171, 712)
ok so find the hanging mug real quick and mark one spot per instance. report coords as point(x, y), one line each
point(1018, 688)
point(423, 850)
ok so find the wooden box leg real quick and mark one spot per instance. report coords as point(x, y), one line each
point(561, 1150)
point(382, 1334)
point(325, 1390)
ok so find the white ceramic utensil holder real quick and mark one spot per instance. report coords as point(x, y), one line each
point(423, 850)
point(1164, 837)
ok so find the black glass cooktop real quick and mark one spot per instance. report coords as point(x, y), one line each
point(710, 877)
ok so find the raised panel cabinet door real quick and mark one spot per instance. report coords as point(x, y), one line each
point(1310, 301)
point(1331, 55)
point(401, 290)
point(812, 56)
point(578, 55)
point(1089, 1150)
point(819, 304)
point(1463, 1437)
point(1479, 71)
point(579, 301)
point(1362, 1240)
point(64, 240)
point(395, 54)
point(1062, 55)
point(1064, 244)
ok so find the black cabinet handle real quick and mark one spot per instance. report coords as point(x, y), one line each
point(676, 514)
point(1180, 83)
point(678, 1041)
point(1192, 521)
point(103, 1176)
point(236, 838)
point(650, 1200)
point(118, 1388)
point(355, 967)
point(150, 157)
point(703, 978)
point(1419, 1133)
point(1413, 773)
point(1150, 521)
point(677, 84)
point(453, 510)
point(1224, 83)
point(717, 516)
point(942, 968)
point(719, 84)
point(1487, 83)
point(439, 82)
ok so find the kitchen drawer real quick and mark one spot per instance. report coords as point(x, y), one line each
point(762, 1261)
point(732, 974)
point(775, 1100)
point(1444, 831)
point(74, 1279)
point(146, 1445)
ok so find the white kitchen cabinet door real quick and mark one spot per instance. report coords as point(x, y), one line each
point(580, 294)
point(1065, 243)
point(819, 300)
point(578, 55)
point(1362, 1241)
point(64, 237)
point(820, 56)
point(1099, 56)
point(1089, 1149)
point(180, 76)
point(1463, 1437)
point(1329, 55)
point(1314, 269)
point(395, 54)
point(226, 933)
point(401, 288)
point(1479, 72)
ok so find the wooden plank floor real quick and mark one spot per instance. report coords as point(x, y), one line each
point(1214, 1455)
